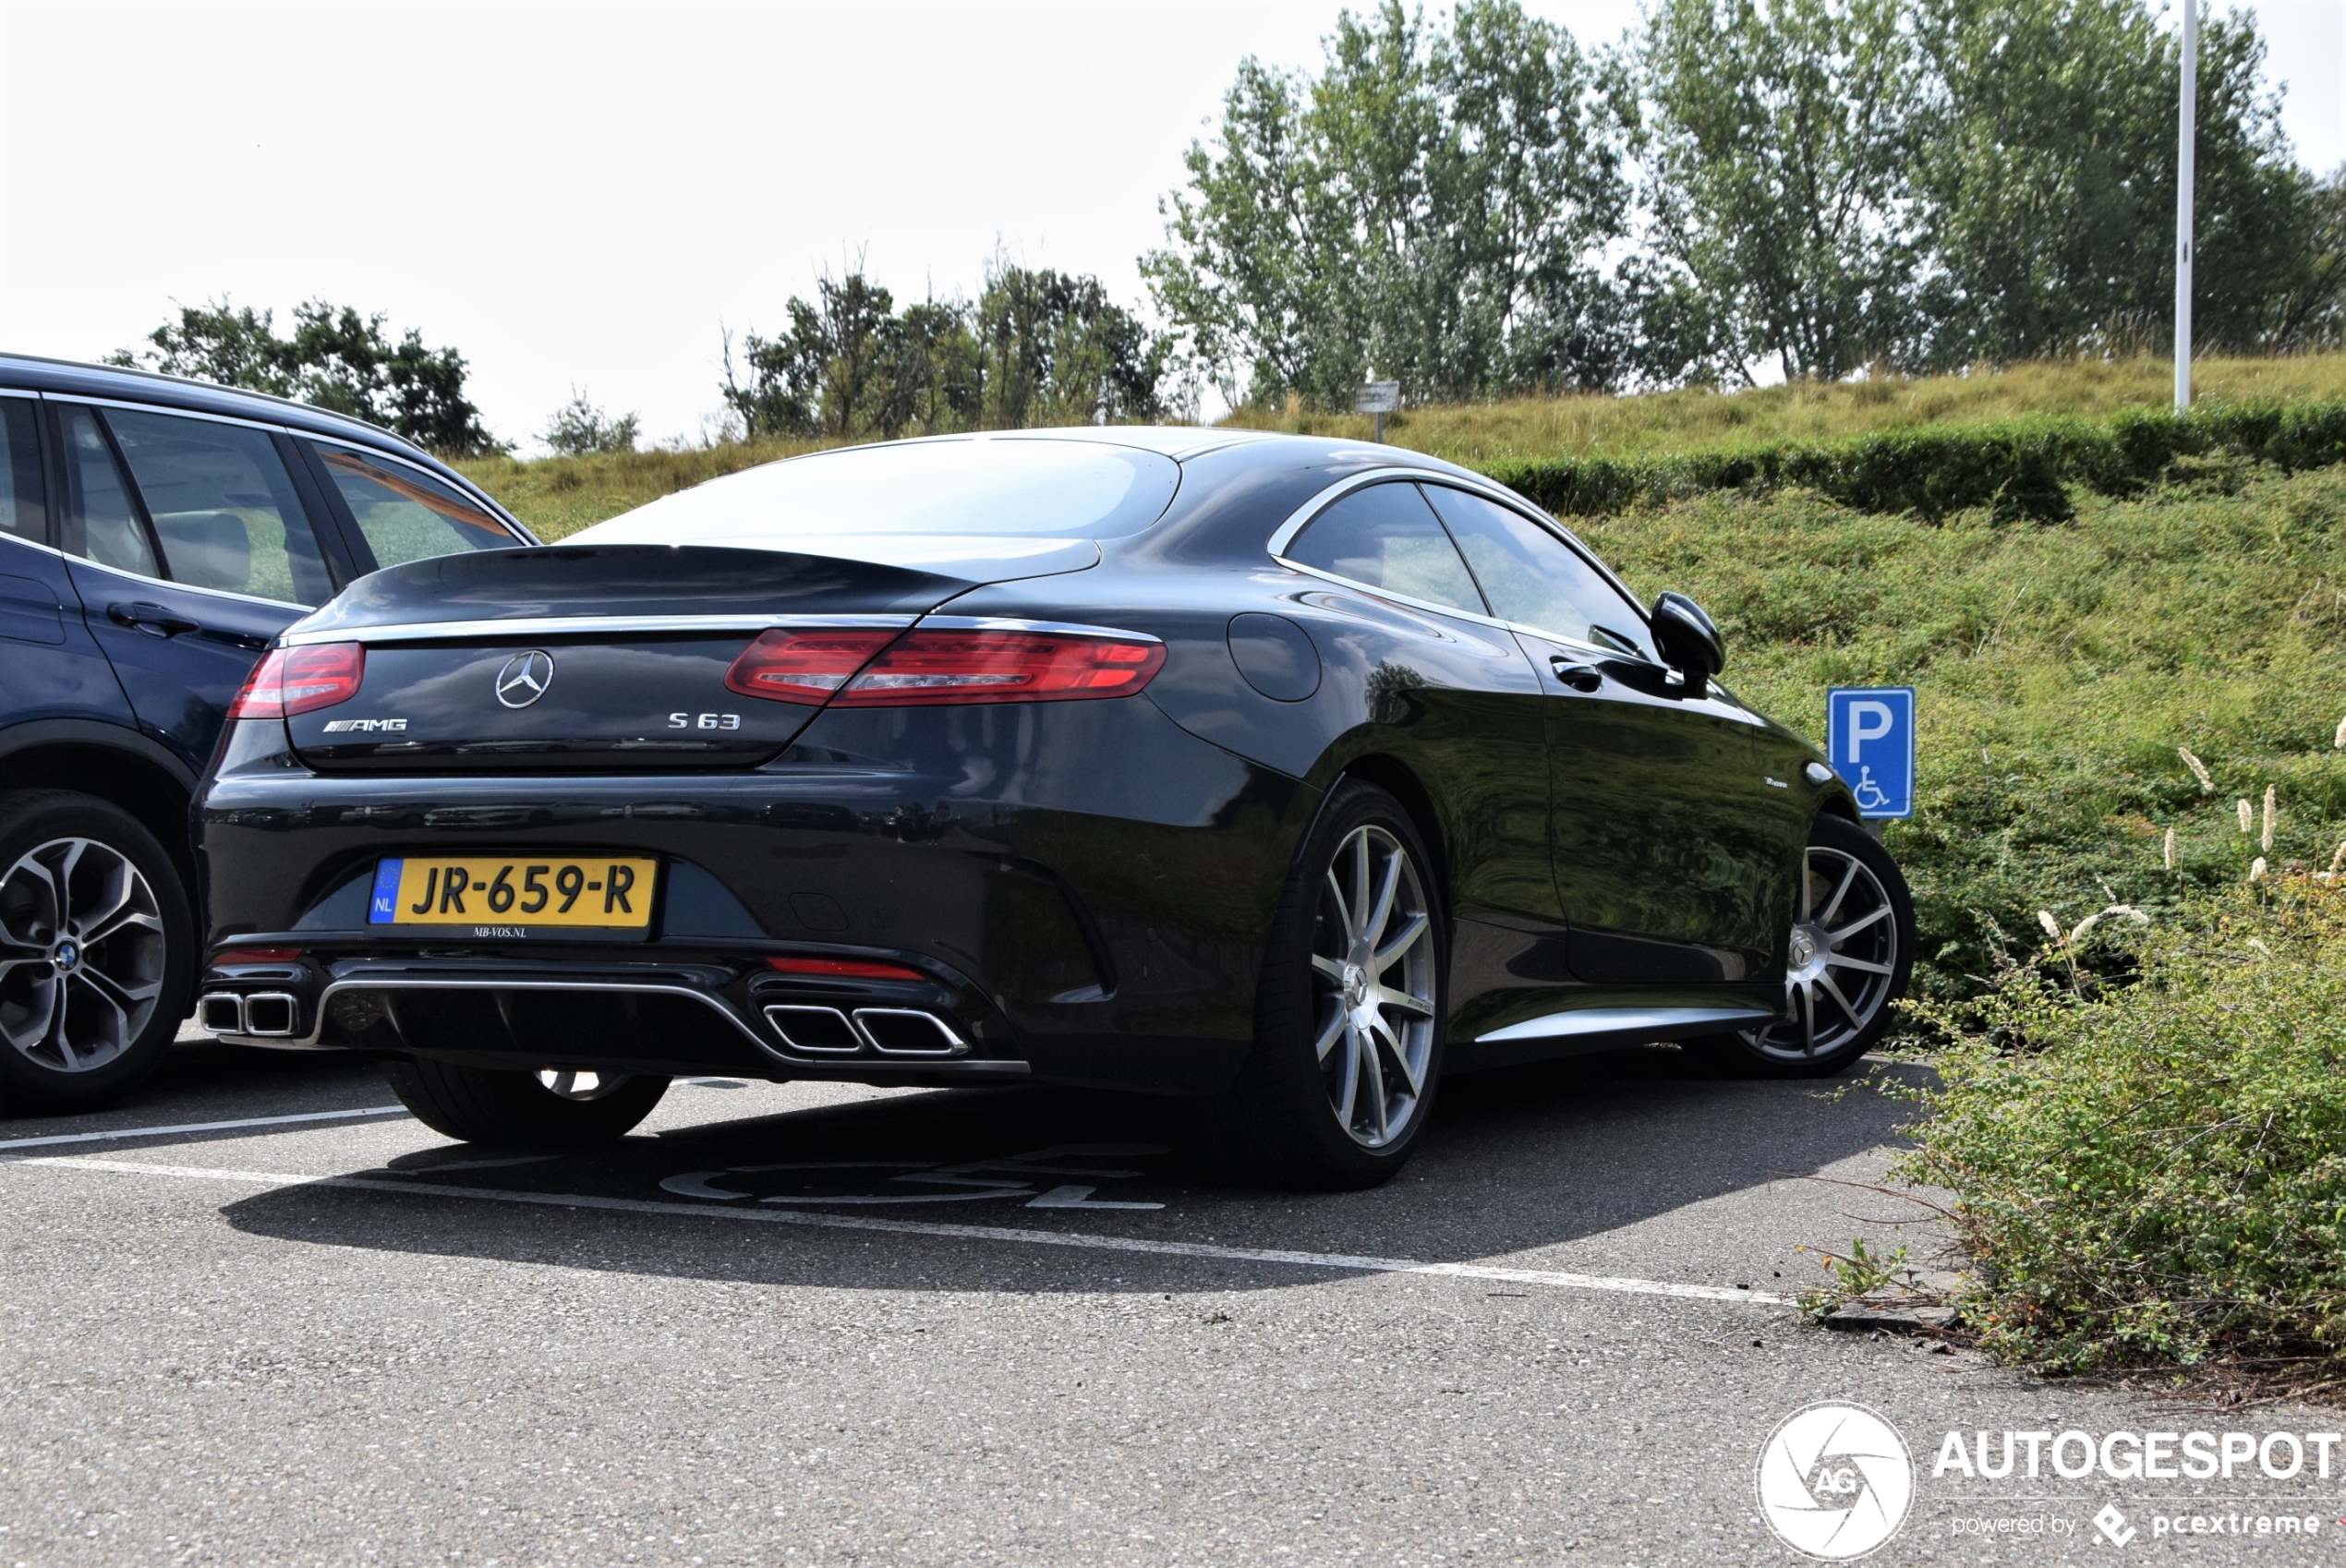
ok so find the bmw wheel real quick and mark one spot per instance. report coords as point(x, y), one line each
point(1348, 1020)
point(97, 949)
point(1848, 956)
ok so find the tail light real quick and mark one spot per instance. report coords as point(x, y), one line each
point(291, 681)
point(844, 968)
point(804, 667)
point(930, 668)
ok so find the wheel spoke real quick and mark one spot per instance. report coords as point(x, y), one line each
point(123, 997)
point(562, 1084)
point(1361, 884)
point(125, 889)
point(1837, 960)
point(1381, 907)
point(56, 1033)
point(1374, 1072)
point(1416, 926)
point(1343, 909)
point(1400, 1057)
point(1839, 893)
point(1328, 1036)
point(1808, 1019)
point(1349, 1096)
point(1825, 981)
point(1858, 924)
point(1329, 967)
point(1389, 997)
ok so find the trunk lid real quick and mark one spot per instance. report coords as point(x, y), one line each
point(609, 658)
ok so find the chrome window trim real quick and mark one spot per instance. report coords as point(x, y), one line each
point(1009, 624)
point(1302, 515)
point(20, 391)
point(565, 625)
point(166, 411)
point(176, 585)
point(463, 486)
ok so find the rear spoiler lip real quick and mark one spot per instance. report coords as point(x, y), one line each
point(527, 627)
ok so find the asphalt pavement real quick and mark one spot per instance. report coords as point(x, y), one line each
point(807, 1324)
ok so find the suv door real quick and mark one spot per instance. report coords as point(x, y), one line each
point(1670, 854)
point(191, 548)
point(50, 668)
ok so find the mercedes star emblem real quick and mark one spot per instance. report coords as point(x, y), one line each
point(525, 678)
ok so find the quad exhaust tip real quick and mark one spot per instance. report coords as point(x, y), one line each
point(264, 1015)
point(890, 1032)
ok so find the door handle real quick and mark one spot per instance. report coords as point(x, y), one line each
point(151, 618)
point(1579, 677)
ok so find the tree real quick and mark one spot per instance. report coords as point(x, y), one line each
point(2049, 168)
point(579, 428)
point(336, 359)
point(1785, 134)
point(1435, 205)
point(1038, 347)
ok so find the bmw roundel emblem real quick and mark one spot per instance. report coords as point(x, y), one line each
point(525, 678)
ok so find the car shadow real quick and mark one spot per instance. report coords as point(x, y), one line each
point(1515, 1161)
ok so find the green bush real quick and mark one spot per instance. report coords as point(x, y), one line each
point(2154, 1174)
point(2017, 470)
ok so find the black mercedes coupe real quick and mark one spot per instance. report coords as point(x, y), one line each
point(1282, 773)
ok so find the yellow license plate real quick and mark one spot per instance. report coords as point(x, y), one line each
point(514, 895)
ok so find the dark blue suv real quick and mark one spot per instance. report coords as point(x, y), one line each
point(155, 535)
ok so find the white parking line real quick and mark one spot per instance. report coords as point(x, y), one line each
point(1092, 1241)
point(123, 1132)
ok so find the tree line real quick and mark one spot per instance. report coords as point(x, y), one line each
point(1478, 205)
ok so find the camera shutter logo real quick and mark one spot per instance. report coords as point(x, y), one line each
point(525, 678)
point(1835, 1481)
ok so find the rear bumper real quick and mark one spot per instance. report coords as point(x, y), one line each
point(1088, 890)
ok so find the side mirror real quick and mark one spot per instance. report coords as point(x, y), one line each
point(1687, 640)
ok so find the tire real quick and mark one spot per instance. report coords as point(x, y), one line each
point(1850, 953)
point(521, 1108)
point(1324, 1100)
point(97, 952)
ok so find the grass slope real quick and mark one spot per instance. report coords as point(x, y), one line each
point(1534, 428)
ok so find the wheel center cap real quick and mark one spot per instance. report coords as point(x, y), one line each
point(1804, 948)
point(1355, 984)
point(65, 957)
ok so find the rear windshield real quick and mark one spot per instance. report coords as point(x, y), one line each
point(976, 485)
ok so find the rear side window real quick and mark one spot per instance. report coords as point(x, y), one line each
point(1534, 579)
point(22, 513)
point(1385, 537)
point(407, 516)
point(103, 525)
point(224, 508)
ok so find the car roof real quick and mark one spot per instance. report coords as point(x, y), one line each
point(1183, 442)
point(34, 373)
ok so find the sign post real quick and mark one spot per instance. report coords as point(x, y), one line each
point(1379, 398)
point(2186, 175)
point(1871, 742)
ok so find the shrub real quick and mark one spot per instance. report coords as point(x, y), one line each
point(2018, 470)
point(2156, 1175)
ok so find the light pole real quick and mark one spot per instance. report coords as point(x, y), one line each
point(2186, 175)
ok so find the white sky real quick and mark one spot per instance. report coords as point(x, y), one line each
point(580, 194)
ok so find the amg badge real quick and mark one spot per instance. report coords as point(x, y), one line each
point(364, 725)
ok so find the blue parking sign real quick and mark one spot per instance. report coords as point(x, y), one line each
point(1871, 742)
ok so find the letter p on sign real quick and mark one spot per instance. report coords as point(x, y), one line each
point(1872, 744)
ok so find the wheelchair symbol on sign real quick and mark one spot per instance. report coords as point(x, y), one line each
point(974, 1181)
point(1868, 793)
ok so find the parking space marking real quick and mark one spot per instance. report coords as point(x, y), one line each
point(1346, 1263)
point(120, 1133)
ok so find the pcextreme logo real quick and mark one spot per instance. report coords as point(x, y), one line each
point(1835, 1481)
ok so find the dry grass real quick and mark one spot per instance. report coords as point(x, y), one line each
point(1680, 421)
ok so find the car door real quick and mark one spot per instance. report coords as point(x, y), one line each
point(189, 549)
point(50, 667)
point(1666, 842)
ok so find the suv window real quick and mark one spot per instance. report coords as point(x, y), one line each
point(1385, 537)
point(21, 513)
point(224, 508)
point(407, 516)
point(1534, 579)
point(103, 525)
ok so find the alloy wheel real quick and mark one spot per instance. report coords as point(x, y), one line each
point(1372, 971)
point(1842, 959)
point(82, 955)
